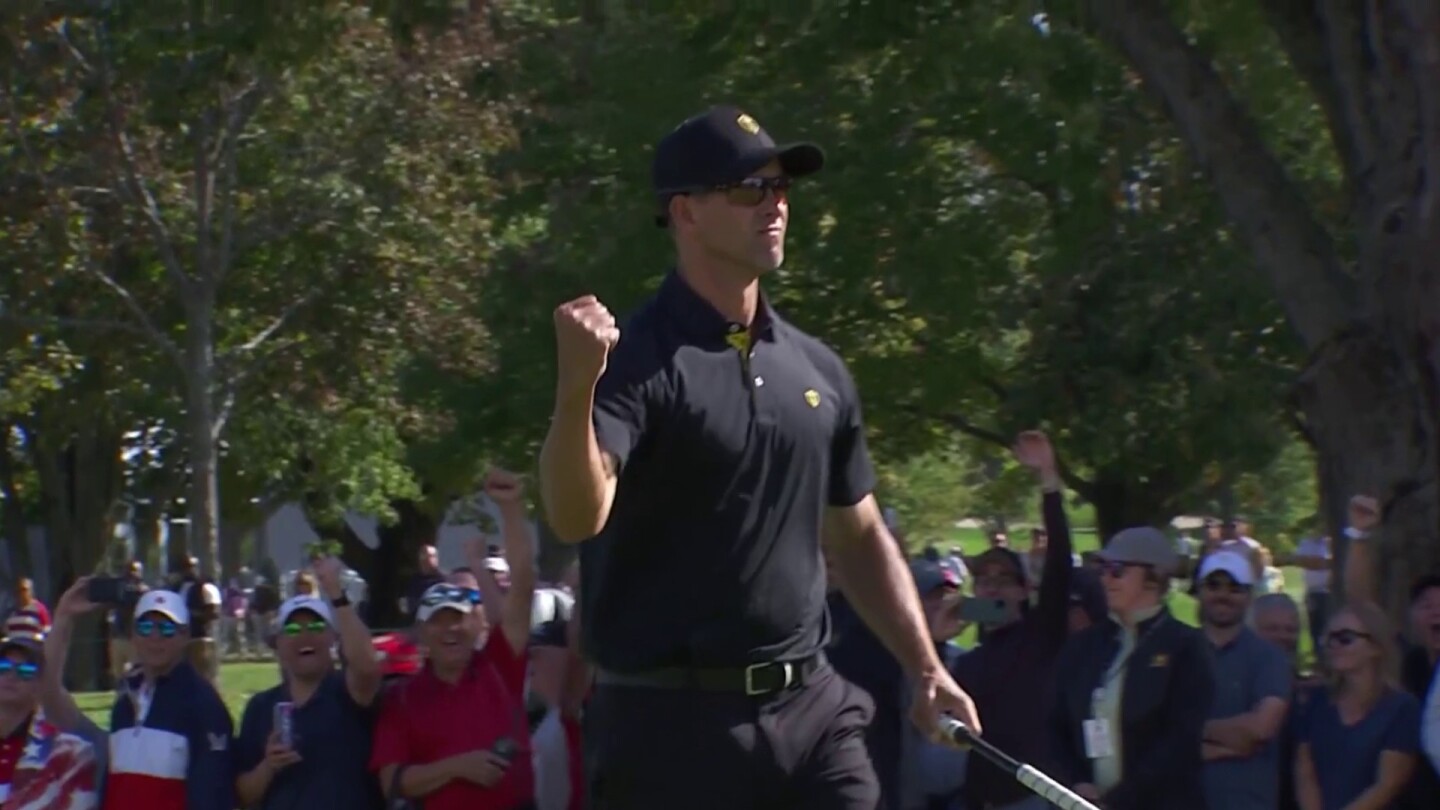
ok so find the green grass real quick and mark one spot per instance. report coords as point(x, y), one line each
point(238, 683)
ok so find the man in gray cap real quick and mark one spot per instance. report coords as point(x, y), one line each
point(1130, 712)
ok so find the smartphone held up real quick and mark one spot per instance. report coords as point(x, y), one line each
point(115, 591)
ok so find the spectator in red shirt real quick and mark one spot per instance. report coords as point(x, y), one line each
point(27, 605)
point(455, 735)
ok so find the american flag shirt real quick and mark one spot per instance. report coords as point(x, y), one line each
point(56, 771)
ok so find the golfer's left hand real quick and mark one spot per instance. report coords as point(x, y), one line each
point(937, 694)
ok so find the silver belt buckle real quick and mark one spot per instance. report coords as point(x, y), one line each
point(787, 669)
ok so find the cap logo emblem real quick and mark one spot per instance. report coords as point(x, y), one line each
point(1160, 660)
point(812, 397)
point(748, 124)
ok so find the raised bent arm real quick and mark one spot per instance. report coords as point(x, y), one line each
point(577, 480)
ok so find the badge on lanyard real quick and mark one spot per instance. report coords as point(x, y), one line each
point(1097, 739)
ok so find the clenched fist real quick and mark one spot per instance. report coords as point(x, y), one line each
point(585, 332)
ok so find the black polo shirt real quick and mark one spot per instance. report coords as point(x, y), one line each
point(728, 457)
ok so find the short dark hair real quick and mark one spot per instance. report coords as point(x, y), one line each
point(1422, 585)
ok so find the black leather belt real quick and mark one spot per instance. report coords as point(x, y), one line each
point(765, 678)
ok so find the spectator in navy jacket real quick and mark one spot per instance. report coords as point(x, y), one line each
point(1132, 693)
point(170, 733)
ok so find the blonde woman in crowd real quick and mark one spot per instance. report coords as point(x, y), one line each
point(1360, 740)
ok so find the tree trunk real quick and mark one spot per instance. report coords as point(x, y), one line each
point(232, 536)
point(1371, 388)
point(1377, 435)
point(201, 441)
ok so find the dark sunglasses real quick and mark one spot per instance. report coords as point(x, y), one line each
point(147, 627)
point(1219, 585)
point(296, 628)
point(1344, 638)
point(24, 670)
point(747, 193)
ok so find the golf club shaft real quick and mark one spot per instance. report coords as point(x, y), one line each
point(1026, 774)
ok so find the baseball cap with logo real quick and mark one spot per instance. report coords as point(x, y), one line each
point(930, 575)
point(23, 630)
point(720, 147)
point(166, 603)
point(443, 596)
point(314, 604)
point(1142, 545)
point(1230, 563)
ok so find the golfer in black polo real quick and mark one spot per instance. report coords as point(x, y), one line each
point(703, 456)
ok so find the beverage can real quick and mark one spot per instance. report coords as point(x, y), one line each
point(284, 723)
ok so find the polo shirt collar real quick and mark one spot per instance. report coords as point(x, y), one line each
point(327, 685)
point(1147, 619)
point(1240, 638)
point(430, 679)
point(698, 319)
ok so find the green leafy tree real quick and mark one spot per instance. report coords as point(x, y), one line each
point(1008, 236)
point(1355, 270)
point(299, 204)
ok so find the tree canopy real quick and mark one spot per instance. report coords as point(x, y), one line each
point(325, 244)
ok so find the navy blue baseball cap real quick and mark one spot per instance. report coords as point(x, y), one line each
point(721, 146)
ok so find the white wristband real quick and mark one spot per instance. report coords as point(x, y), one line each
point(1352, 533)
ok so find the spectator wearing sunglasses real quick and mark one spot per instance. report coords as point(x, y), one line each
point(169, 742)
point(1133, 692)
point(1359, 742)
point(488, 609)
point(1252, 691)
point(1420, 655)
point(46, 763)
point(330, 710)
point(455, 735)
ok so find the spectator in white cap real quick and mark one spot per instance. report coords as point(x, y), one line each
point(456, 734)
point(174, 752)
point(325, 759)
point(1252, 690)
